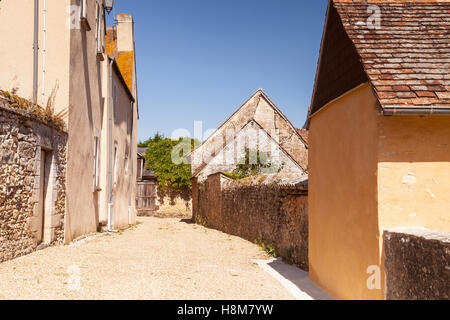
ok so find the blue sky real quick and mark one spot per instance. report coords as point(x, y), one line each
point(199, 60)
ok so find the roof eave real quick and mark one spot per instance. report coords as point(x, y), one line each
point(415, 110)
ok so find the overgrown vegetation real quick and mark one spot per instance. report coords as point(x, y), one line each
point(167, 159)
point(254, 163)
point(46, 115)
point(269, 248)
point(199, 219)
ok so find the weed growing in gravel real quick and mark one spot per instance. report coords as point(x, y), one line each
point(269, 248)
point(203, 221)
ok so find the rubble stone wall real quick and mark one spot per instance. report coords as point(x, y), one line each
point(268, 214)
point(417, 264)
point(23, 226)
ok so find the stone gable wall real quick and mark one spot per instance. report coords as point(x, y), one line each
point(263, 213)
point(21, 141)
point(208, 158)
point(417, 264)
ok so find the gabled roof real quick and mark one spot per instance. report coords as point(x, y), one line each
point(243, 108)
point(259, 92)
point(304, 133)
point(222, 148)
point(406, 61)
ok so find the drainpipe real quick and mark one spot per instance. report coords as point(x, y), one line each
point(132, 177)
point(110, 153)
point(35, 50)
point(44, 49)
point(415, 111)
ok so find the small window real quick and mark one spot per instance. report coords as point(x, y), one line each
point(100, 38)
point(96, 162)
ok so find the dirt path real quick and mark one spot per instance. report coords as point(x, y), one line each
point(158, 259)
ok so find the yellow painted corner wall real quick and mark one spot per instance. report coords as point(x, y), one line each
point(343, 214)
point(414, 172)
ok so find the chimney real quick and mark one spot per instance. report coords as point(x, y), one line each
point(125, 32)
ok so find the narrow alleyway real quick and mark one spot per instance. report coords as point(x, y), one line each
point(157, 259)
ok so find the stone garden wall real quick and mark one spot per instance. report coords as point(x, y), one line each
point(22, 137)
point(417, 264)
point(269, 214)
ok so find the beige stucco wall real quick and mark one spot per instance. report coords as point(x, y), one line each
point(121, 138)
point(414, 172)
point(85, 118)
point(71, 64)
point(343, 216)
point(16, 51)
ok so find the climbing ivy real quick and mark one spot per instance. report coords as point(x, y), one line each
point(254, 163)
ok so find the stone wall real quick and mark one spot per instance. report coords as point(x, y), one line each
point(417, 264)
point(266, 213)
point(22, 138)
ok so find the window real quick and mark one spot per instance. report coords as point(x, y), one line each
point(100, 37)
point(96, 162)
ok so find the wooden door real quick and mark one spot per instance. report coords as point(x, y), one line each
point(146, 197)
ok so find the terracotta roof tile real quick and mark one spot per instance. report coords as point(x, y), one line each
point(304, 134)
point(124, 59)
point(407, 60)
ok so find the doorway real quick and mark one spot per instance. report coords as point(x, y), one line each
point(42, 195)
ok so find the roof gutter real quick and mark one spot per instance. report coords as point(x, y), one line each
point(415, 111)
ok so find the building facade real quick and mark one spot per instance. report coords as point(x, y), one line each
point(59, 56)
point(258, 125)
point(379, 155)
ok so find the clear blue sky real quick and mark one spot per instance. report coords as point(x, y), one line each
point(201, 59)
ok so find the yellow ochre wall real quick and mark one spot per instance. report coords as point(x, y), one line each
point(369, 173)
point(343, 217)
point(414, 172)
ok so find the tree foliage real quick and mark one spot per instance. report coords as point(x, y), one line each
point(174, 177)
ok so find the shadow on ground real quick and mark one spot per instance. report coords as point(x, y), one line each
point(295, 280)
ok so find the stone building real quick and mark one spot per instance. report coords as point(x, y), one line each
point(32, 180)
point(379, 131)
point(258, 125)
point(270, 209)
point(59, 56)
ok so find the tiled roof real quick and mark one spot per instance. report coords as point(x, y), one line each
point(304, 134)
point(407, 60)
point(142, 150)
point(124, 59)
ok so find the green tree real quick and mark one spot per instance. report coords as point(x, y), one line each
point(174, 177)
